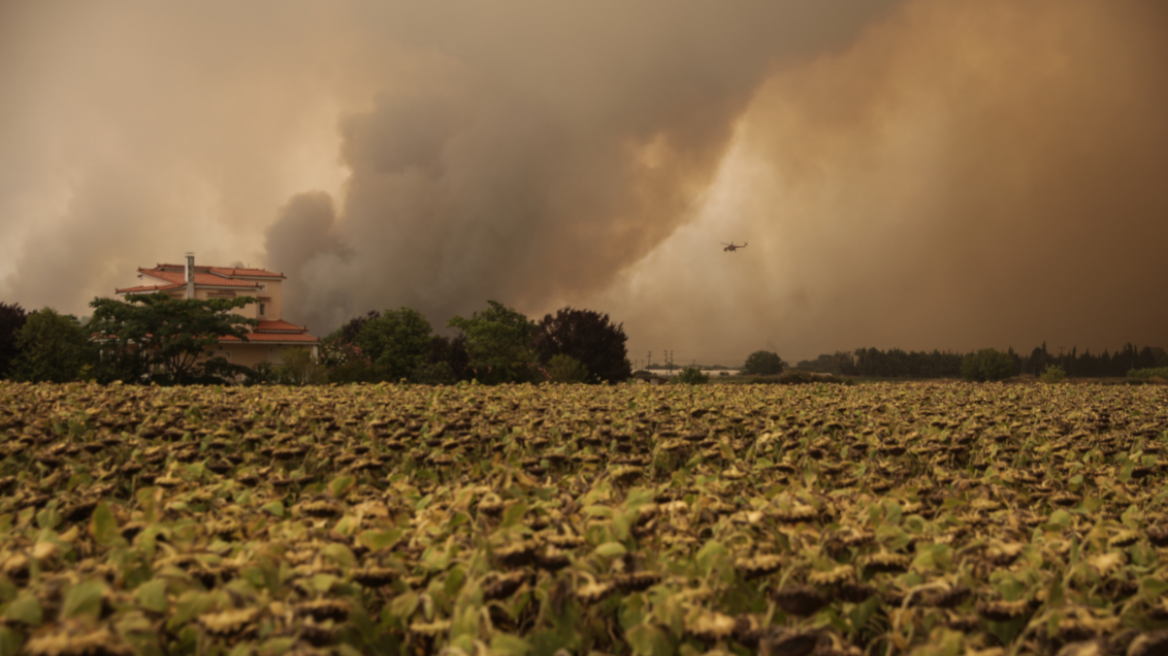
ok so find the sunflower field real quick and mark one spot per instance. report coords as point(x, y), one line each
point(872, 520)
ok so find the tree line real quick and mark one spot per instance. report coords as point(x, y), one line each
point(898, 363)
point(159, 339)
point(494, 345)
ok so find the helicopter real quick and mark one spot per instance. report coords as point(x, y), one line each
point(731, 247)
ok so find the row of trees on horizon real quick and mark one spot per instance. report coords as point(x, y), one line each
point(897, 363)
point(153, 338)
point(494, 345)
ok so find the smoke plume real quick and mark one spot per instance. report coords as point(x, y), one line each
point(546, 151)
point(913, 173)
point(967, 174)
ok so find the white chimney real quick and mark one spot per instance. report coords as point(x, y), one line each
point(190, 275)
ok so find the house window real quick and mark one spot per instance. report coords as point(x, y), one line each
point(263, 309)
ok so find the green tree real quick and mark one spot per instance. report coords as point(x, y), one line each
point(692, 376)
point(12, 319)
point(170, 335)
point(52, 348)
point(499, 341)
point(588, 337)
point(763, 363)
point(563, 368)
point(1053, 374)
point(397, 341)
point(297, 367)
point(988, 364)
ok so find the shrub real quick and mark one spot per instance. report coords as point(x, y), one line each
point(1160, 372)
point(564, 368)
point(434, 373)
point(797, 377)
point(1053, 374)
point(987, 364)
point(299, 368)
point(763, 363)
point(692, 376)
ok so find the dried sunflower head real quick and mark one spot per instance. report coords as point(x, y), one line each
point(884, 561)
point(503, 585)
point(430, 629)
point(710, 626)
point(591, 593)
point(1123, 538)
point(759, 565)
point(796, 514)
point(517, 554)
point(636, 581)
point(802, 600)
point(834, 576)
point(1004, 611)
point(374, 577)
point(950, 598)
point(1003, 554)
point(230, 623)
point(73, 638)
point(324, 609)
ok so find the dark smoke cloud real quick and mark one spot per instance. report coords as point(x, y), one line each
point(922, 174)
point(545, 152)
point(968, 174)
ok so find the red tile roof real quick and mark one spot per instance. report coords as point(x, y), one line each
point(275, 337)
point(278, 327)
point(201, 279)
point(224, 271)
point(147, 288)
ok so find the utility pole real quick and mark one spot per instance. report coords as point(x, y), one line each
point(649, 362)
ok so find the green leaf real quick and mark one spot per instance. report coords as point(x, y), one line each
point(339, 554)
point(513, 514)
point(711, 555)
point(8, 590)
point(48, 518)
point(377, 540)
point(152, 596)
point(597, 511)
point(1153, 588)
point(403, 606)
point(324, 582)
point(83, 599)
point(10, 642)
point(340, 485)
point(942, 642)
point(274, 508)
point(1059, 520)
point(862, 613)
point(275, 646)
point(454, 580)
point(506, 644)
point(25, 609)
point(103, 527)
point(189, 605)
point(611, 550)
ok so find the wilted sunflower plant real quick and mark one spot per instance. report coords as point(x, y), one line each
point(874, 520)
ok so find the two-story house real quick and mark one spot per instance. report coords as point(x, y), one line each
point(267, 341)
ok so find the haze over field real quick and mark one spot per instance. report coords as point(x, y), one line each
point(920, 174)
